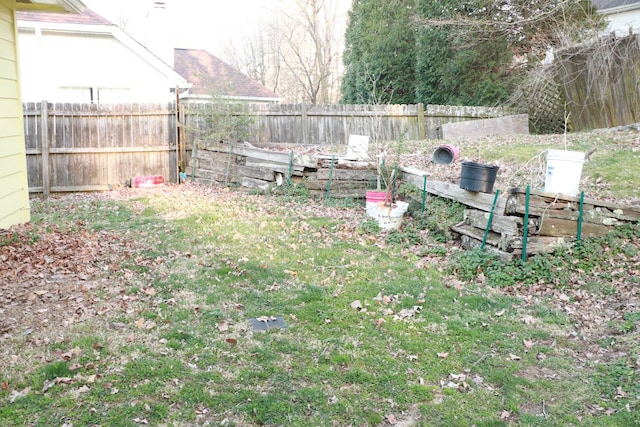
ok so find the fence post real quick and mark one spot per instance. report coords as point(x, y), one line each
point(421, 123)
point(305, 123)
point(44, 144)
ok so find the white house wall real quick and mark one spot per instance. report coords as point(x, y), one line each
point(53, 64)
point(621, 22)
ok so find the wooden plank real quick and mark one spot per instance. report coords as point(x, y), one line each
point(256, 173)
point(501, 224)
point(565, 200)
point(470, 242)
point(276, 167)
point(451, 191)
point(556, 227)
point(542, 245)
point(346, 174)
point(266, 155)
point(569, 209)
point(502, 242)
point(255, 183)
point(103, 150)
point(354, 187)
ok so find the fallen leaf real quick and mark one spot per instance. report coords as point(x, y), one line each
point(505, 415)
point(356, 305)
point(232, 341)
point(222, 326)
point(514, 357)
point(391, 419)
point(380, 322)
point(19, 394)
point(528, 345)
point(443, 355)
point(500, 313)
point(620, 393)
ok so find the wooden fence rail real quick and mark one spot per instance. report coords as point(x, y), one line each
point(89, 147)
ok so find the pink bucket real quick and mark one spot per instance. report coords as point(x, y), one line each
point(375, 196)
point(445, 154)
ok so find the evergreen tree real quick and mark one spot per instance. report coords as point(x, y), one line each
point(455, 52)
point(379, 55)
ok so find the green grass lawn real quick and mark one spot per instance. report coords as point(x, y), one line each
point(394, 328)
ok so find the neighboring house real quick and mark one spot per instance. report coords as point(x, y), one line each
point(623, 16)
point(211, 76)
point(86, 58)
point(14, 191)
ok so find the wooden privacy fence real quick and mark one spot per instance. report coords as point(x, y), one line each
point(90, 147)
point(332, 124)
point(600, 82)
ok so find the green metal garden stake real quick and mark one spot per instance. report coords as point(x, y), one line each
point(525, 233)
point(226, 174)
point(424, 194)
point(333, 158)
point(486, 230)
point(579, 236)
point(290, 169)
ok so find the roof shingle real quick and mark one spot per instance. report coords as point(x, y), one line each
point(87, 17)
point(211, 75)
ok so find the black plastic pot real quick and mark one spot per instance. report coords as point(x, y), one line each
point(478, 177)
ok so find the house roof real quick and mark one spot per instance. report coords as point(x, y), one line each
point(71, 6)
point(211, 75)
point(603, 5)
point(87, 17)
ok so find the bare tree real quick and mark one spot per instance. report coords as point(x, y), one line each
point(298, 52)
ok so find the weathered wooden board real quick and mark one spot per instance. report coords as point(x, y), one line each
point(262, 154)
point(359, 187)
point(500, 241)
point(562, 206)
point(275, 167)
point(556, 227)
point(451, 191)
point(542, 244)
point(346, 174)
point(500, 223)
point(347, 164)
point(255, 183)
point(469, 242)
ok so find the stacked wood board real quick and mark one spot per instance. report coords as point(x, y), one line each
point(248, 166)
point(552, 218)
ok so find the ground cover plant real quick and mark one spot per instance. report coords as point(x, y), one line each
point(190, 305)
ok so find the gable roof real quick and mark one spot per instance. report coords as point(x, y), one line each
point(604, 5)
point(70, 6)
point(211, 75)
point(87, 17)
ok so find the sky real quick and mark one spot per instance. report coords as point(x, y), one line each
point(197, 24)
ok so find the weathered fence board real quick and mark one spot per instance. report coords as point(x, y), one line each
point(332, 124)
point(78, 147)
point(89, 147)
point(599, 82)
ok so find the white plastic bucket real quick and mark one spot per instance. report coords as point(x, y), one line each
point(374, 197)
point(564, 170)
point(391, 217)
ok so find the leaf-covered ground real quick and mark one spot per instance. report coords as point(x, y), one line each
point(112, 304)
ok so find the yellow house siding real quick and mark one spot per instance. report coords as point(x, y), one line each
point(14, 191)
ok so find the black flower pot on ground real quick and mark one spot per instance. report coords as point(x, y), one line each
point(478, 177)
